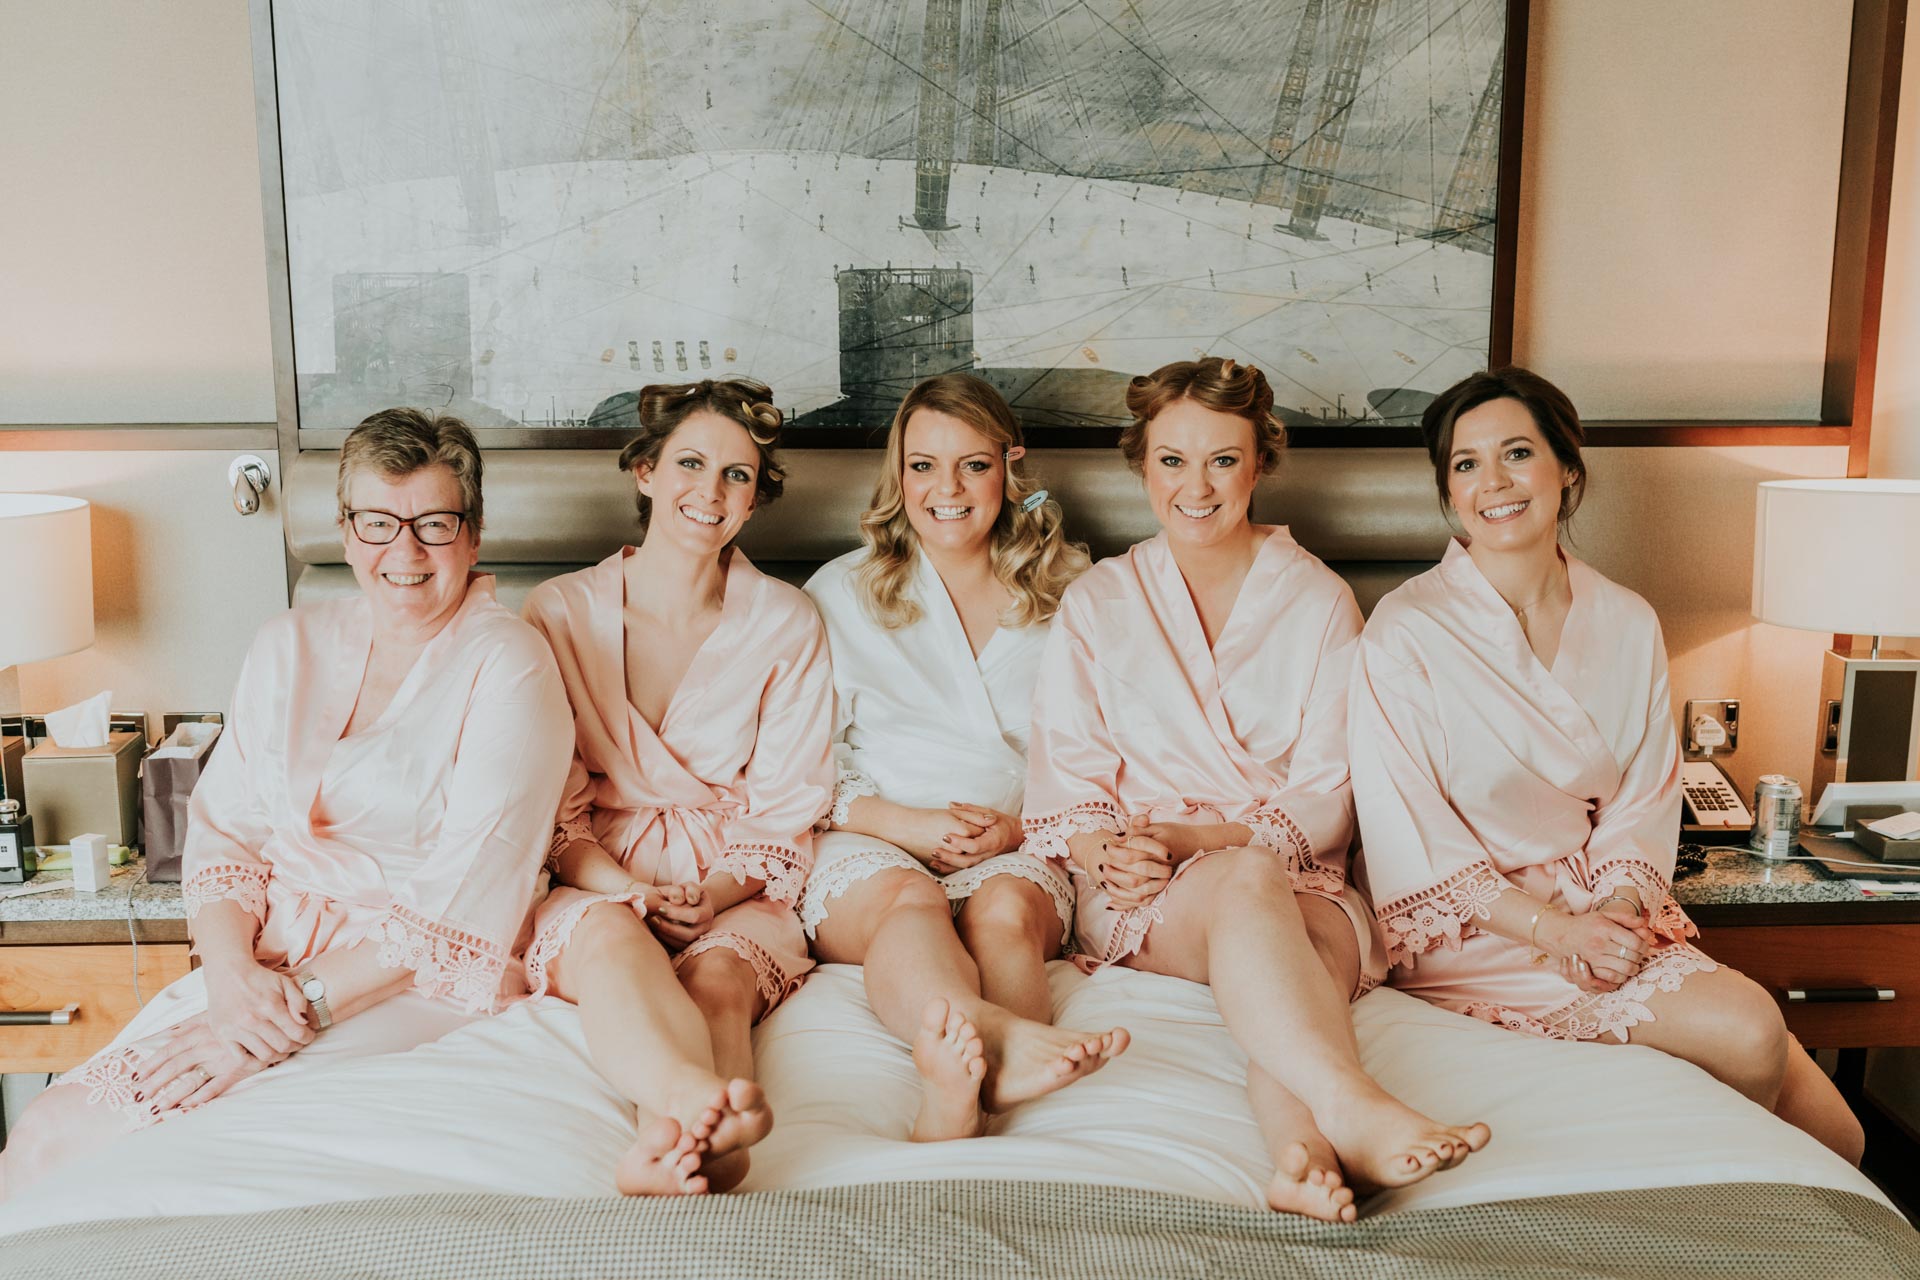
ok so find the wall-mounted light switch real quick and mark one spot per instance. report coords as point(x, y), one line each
point(1712, 726)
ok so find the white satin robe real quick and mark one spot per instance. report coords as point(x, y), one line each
point(424, 830)
point(920, 721)
point(1135, 715)
point(1476, 769)
point(734, 780)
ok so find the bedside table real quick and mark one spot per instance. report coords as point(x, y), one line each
point(65, 948)
point(1824, 950)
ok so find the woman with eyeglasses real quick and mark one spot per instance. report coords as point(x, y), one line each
point(703, 706)
point(365, 845)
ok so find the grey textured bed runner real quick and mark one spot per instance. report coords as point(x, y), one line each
point(968, 1229)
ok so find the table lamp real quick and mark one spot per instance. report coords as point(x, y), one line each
point(46, 584)
point(1843, 556)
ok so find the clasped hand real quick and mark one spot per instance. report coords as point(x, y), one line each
point(1614, 944)
point(255, 1018)
point(960, 836)
point(678, 913)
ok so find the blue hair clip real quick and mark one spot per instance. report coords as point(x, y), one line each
point(1034, 500)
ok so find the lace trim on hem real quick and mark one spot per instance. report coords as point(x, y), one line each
point(108, 1080)
point(1662, 914)
point(1604, 1013)
point(448, 964)
point(241, 882)
point(851, 785)
point(1274, 828)
point(552, 939)
point(566, 833)
point(1047, 837)
point(829, 882)
point(1131, 929)
point(769, 978)
point(963, 884)
point(1416, 924)
point(782, 869)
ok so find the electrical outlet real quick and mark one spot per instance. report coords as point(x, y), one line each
point(1723, 712)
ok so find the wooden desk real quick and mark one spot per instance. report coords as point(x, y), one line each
point(64, 948)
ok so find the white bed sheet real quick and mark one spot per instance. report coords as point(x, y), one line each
point(512, 1104)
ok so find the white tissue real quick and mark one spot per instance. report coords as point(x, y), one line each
point(187, 736)
point(84, 724)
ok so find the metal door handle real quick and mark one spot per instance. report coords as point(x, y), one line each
point(39, 1017)
point(1839, 995)
point(249, 477)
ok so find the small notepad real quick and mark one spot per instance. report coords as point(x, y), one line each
point(1900, 826)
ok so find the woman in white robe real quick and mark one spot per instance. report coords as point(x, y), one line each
point(364, 847)
point(936, 628)
point(1518, 778)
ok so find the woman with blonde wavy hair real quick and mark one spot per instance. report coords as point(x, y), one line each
point(936, 627)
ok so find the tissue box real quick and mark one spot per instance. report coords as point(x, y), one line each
point(72, 790)
point(12, 751)
point(1872, 842)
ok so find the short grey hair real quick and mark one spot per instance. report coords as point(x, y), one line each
point(398, 442)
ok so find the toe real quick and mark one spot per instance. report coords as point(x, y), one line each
point(934, 1016)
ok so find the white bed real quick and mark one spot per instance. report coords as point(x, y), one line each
point(512, 1105)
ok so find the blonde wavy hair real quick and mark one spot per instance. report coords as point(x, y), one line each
point(1030, 553)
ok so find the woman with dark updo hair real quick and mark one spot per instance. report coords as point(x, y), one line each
point(703, 707)
point(1518, 778)
point(1189, 768)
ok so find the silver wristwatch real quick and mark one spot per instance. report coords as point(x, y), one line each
point(316, 993)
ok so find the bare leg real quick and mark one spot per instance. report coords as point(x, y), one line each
point(1727, 1025)
point(1232, 922)
point(56, 1127)
point(724, 989)
point(899, 926)
point(1011, 929)
point(648, 1039)
point(1307, 1178)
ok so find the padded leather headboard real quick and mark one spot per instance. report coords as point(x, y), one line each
point(1370, 513)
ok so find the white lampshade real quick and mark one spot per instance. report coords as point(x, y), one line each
point(1838, 555)
point(46, 577)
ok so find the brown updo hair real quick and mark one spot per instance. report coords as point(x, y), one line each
point(1553, 414)
point(1218, 384)
point(664, 406)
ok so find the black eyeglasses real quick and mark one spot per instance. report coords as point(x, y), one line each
point(430, 528)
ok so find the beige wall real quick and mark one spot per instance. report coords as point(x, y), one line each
point(1896, 392)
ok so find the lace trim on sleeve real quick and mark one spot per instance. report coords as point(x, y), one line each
point(448, 964)
point(241, 882)
point(1273, 828)
point(1047, 836)
point(851, 786)
point(566, 833)
point(1416, 924)
point(783, 869)
point(1663, 914)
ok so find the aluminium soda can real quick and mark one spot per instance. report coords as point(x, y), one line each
point(1776, 816)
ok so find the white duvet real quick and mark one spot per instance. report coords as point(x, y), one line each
point(512, 1104)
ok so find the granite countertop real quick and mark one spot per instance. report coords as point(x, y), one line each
point(129, 896)
point(1734, 877)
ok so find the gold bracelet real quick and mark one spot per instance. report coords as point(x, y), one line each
point(1533, 929)
point(1618, 897)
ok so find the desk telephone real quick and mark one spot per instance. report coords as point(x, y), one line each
point(1709, 797)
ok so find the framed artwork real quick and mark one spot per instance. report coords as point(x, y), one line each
point(523, 213)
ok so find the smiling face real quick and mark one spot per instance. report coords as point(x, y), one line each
point(1502, 478)
point(411, 585)
point(1200, 468)
point(952, 481)
point(702, 489)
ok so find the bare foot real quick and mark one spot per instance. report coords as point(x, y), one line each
point(1026, 1059)
point(663, 1161)
point(952, 1061)
point(1308, 1182)
point(1382, 1142)
point(735, 1117)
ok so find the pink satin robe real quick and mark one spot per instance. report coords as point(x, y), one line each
point(1134, 715)
point(734, 780)
point(424, 830)
point(1476, 769)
